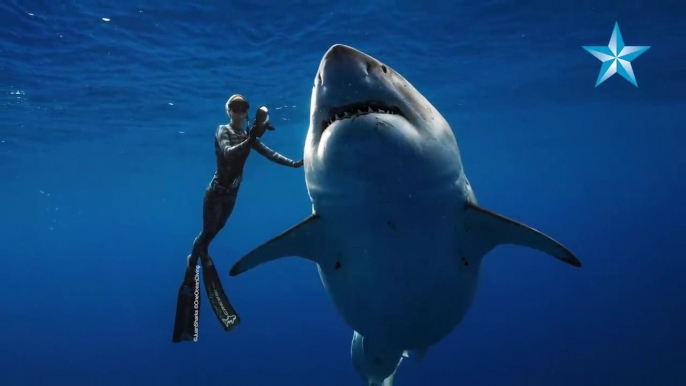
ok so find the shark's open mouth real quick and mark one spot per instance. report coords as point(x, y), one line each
point(357, 109)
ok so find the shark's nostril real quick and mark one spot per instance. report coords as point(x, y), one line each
point(319, 76)
point(369, 67)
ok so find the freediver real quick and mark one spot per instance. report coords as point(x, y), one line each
point(232, 146)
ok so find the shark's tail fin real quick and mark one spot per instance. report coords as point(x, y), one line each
point(389, 381)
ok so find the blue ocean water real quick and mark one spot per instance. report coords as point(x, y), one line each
point(106, 147)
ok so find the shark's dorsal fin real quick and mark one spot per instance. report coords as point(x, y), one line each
point(497, 230)
point(301, 240)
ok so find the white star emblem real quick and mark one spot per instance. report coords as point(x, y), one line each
point(616, 57)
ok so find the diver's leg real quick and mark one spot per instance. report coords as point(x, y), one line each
point(217, 208)
point(211, 216)
point(221, 209)
point(188, 297)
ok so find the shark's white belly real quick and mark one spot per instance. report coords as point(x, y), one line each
point(399, 277)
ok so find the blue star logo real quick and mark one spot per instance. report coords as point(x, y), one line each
point(616, 58)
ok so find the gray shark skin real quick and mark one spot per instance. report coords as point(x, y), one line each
point(396, 231)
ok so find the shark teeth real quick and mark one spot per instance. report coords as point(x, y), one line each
point(359, 109)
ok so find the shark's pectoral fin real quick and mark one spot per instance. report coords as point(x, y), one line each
point(301, 240)
point(497, 230)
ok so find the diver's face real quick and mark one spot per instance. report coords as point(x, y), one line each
point(238, 111)
point(237, 116)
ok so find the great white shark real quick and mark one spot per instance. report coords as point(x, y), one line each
point(396, 231)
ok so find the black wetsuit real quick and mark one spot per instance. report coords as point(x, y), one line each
point(232, 148)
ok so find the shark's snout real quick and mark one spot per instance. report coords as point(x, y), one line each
point(351, 84)
point(343, 63)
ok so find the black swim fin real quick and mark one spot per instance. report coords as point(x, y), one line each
point(220, 303)
point(188, 308)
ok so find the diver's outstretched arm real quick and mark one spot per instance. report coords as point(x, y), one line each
point(274, 156)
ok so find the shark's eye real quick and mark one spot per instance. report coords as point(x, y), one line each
point(384, 69)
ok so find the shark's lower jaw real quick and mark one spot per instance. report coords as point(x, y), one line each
point(357, 109)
